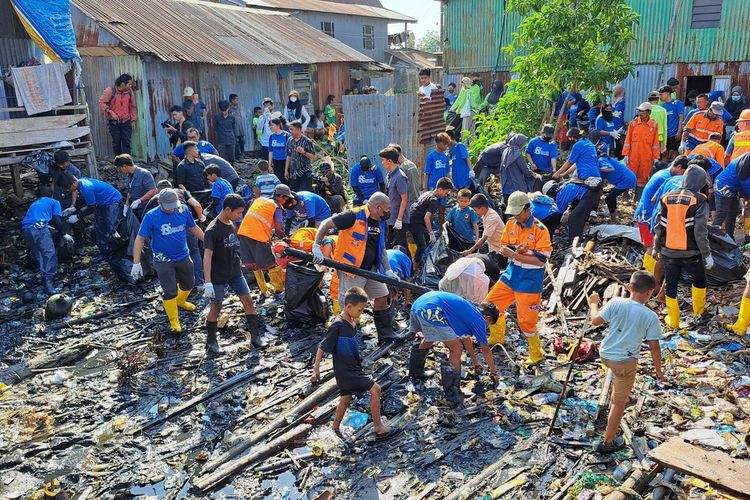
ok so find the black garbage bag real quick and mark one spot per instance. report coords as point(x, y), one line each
point(727, 254)
point(456, 242)
point(120, 249)
point(304, 301)
point(439, 257)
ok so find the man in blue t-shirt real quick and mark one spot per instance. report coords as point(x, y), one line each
point(365, 180)
point(437, 164)
point(107, 203)
point(450, 319)
point(42, 214)
point(675, 115)
point(220, 188)
point(194, 135)
point(309, 207)
point(461, 172)
point(166, 226)
point(541, 152)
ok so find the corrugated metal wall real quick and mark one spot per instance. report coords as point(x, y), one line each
point(348, 29)
point(740, 72)
point(330, 78)
point(378, 120)
point(643, 80)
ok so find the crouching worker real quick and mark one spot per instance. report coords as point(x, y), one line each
point(222, 269)
point(445, 317)
point(526, 244)
point(42, 214)
point(630, 322)
point(342, 341)
point(167, 227)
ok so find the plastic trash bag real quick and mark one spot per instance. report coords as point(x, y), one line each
point(304, 301)
point(38, 160)
point(466, 278)
point(120, 249)
point(456, 242)
point(439, 257)
point(728, 263)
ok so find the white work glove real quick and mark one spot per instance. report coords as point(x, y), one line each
point(390, 274)
point(681, 149)
point(136, 272)
point(208, 291)
point(471, 174)
point(617, 114)
point(69, 211)
point(398, 225)
point(72, 219)
point(318, 254)
point(433, 238)
point(135, 204)
point(615, 134)
point(709, 261)
point(68, 238)
point(625, 160)
point(125, 210)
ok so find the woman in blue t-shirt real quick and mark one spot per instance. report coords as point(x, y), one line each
point(277, 148)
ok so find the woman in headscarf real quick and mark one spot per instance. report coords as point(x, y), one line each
point(491, 99)
point(736, 104)
point(515, 174)
point(467, 104)
point(295, 111)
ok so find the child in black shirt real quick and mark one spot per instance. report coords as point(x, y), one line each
point(342, 340)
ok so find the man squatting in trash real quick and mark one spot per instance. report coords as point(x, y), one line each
point(343, 341)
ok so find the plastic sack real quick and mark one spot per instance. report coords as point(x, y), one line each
point(120, 248)
point(439, 257)
point(727, 254)
point(456, 241)
point(466, 278)
point(38, 160)
point(304, 301)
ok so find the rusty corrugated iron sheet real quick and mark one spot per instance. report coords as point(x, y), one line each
point(332, 7)
point(217, 34)
point(431, 122)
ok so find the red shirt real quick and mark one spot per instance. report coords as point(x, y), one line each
point(122, 103)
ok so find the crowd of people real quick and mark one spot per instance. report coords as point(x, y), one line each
point(207, 228)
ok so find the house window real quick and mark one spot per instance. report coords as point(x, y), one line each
point(327, 28)
point(706, 14)
point(368, 37)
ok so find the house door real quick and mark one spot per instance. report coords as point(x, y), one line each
point(699, 84)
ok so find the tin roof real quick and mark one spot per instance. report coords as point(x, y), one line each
point(333, 7)
point(215, 33)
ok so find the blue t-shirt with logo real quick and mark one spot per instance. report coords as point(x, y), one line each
point(616, 173)
point(400, 263)
point(168, 233)
point(97, 193)
point(368, 181)
point(447, 309)
point(602, 124)
point(277, 145)
point(460, 166)
point(674, 109)
point(42, 210)
point(204, 147)
point(542, 153)
point(583, 154)
point(309, 206)
point(220, 190)
point(436, 167)
point(463, 220)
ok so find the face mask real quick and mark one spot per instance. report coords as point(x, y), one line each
point(293, 99)
point(547, 139)
point(736, 98)
point(607, 115)
point(386, 215)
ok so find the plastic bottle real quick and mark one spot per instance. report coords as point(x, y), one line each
point(622, 470)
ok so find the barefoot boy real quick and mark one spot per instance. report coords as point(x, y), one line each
point(342, 340)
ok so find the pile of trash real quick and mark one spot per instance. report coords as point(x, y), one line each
point(105, 403)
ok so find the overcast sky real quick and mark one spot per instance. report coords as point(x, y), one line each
point(426, 11)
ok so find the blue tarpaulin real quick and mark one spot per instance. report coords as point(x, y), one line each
point(48, 23)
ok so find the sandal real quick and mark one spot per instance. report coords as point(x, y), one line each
point(394, 431)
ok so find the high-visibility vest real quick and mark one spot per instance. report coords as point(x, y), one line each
point(741, 142)
point(258, 222)
point(677, 218)
point(352, 242)
point(303, 238)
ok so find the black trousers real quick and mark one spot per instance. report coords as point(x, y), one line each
point(419, 233)
point(239, 147)
point(611, 199)
point(580, 214)
point(279, 166)
point(673, 268)
point(227, 151)
point(396, 237)
point(121, 133)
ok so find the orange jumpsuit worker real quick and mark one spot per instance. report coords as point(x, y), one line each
point(712, 148)
point(527, 246)
point(700, 127)
point(642, 146)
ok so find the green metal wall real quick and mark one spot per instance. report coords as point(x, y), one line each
point(473, 30)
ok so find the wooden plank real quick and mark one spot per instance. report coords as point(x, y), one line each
point(42, 136)
point(39, 123)
point(12, 160)
point(713, 466)
point(68, 107)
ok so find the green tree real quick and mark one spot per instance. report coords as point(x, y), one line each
point(430, 42)
point(560, 44)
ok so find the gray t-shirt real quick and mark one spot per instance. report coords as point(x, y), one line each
point(413, 175)
point(629, 324)
point(396, 184)
point(140, 182)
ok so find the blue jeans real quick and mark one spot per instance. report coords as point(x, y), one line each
point(40, 245)
point(195, 256)
point(106, 218)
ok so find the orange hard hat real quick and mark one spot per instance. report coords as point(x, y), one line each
point(745, 115)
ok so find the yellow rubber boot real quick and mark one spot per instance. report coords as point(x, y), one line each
point(497, 331)
point(746, 225)
point(277, 278)
point(699, 300)
point(649, 262)
point(170, 307)
point(336, 308)
point(182, 302)
point(672, 319)
point(261, 280)
point(739, 327)
point(536, 355)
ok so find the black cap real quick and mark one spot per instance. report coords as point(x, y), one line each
point(673, 82)
point(665, 88)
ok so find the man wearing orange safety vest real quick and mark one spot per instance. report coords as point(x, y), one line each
point(642, 148)
point(361, 243)
point(262, 220)
point(527, 246)
point(739, 144)
point(712, 148)
point(682, 240)
point(700, 126)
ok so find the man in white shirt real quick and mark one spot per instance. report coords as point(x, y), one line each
point(427, 86)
